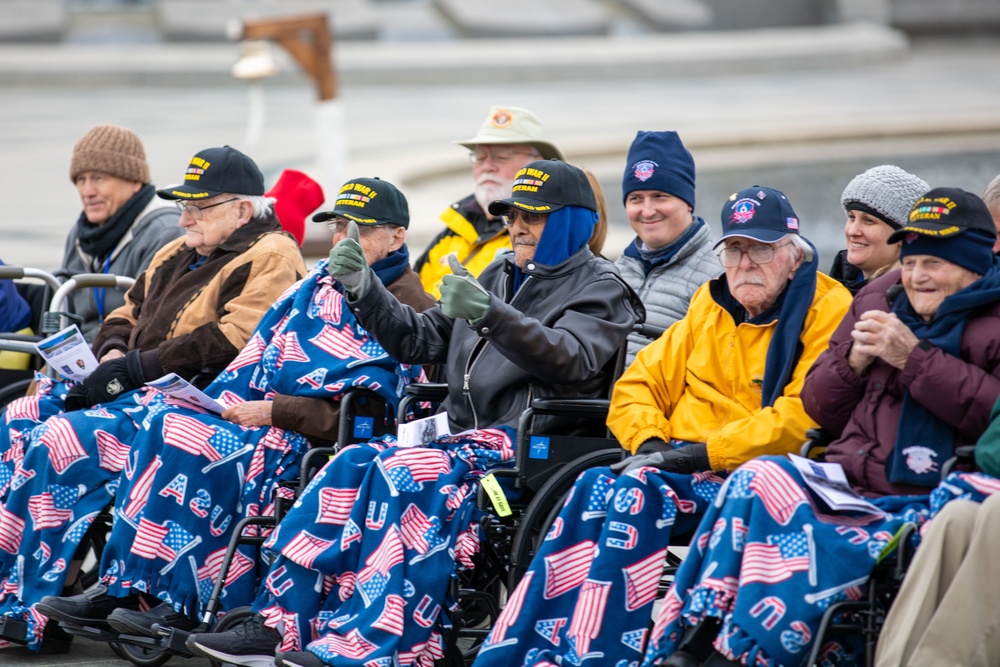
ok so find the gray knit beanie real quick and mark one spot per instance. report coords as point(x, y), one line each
point(886, 192)
point(110, 149)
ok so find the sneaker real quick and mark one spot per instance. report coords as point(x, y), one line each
point(299, 659)
point(129, 622)
point(90, 608)
point(251, 643)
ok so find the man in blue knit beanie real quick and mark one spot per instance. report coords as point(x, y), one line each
point(671, 255)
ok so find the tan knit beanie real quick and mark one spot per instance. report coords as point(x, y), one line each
point(110, 149)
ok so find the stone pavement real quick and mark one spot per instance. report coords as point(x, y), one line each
point(753, 108)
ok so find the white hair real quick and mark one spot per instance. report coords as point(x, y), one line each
point(806, 253)
point(263, 207)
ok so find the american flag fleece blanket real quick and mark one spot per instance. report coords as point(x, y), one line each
point(365, 556)
point(180, 477)
point(588, 594)
point(768, 560)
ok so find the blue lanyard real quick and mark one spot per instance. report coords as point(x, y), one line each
point(100, 291)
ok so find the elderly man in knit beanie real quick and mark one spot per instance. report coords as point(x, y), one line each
point(671, 255)
point(877, 203)
point(508, 139)
point(123, 223)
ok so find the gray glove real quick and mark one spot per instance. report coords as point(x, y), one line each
point(461, 295)
point(348, 265)
point(686, 460)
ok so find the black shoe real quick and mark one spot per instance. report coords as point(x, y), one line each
point(299, 659)
point(251, 643)
point(129, 622)
point(90, 608)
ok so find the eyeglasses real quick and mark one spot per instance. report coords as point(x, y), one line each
point(499, 155)
point(758, 254)
point(530, 219)
point(339, 226)
point(196, 211)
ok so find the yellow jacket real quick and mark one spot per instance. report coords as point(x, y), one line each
point(474, 239)
point(701, 382)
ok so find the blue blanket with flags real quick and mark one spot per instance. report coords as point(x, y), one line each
point(366, 555)
point(180, 477)
point(588, 595)
point(768, 559)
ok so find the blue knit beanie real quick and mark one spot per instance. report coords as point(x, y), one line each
point(659, 161)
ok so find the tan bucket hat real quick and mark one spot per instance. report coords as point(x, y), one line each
point(513, 125)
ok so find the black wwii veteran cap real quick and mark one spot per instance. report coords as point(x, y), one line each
point(369, 201)
point(214, 171)
point(946, 212)
point(545, 186)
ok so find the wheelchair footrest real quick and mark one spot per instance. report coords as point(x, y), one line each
point(13, 630)
point(90, 632)
point(173, 640)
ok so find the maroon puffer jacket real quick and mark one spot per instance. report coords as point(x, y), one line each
point(865, 410)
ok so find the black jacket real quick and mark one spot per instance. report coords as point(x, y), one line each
point(556, 337)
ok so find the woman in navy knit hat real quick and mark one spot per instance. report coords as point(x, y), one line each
point(671, 255)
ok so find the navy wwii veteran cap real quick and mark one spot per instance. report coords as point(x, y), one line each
point(215, 171)
point(545, 186)
point(369, 201)
point(945, 212)
point(760, 213)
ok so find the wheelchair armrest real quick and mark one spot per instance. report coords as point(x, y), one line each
point(816, 442)
point(427, 391)
point(571, 407)
point(965, 455)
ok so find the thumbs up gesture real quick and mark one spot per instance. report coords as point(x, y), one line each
point(348, 265)
point(461, 295)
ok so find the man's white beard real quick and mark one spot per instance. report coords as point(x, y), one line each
point(489, 188)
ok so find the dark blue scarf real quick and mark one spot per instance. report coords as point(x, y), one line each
point(791, 308)
point(566, 231)
point(918, 427)
point(390, 268)
point(651, 259)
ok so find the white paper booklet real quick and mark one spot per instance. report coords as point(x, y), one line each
point(422, 431)
point(68, 353)
point(830, 483)
point(175, 386)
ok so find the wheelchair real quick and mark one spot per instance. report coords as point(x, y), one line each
point(51, 312)
point(866, 616)
point(363, 416)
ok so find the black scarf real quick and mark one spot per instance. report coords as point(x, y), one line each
point(99, 240)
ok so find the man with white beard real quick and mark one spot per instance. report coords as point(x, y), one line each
point(508, 139)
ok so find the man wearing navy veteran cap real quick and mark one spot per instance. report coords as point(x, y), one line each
point(542, 322)
point(718, 388)
point(199, 301)
point(381, 216)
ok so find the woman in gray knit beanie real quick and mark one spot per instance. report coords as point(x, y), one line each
point(877, 203)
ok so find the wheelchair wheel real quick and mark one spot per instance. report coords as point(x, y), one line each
point(232, 618)
point(545, 506)
point(142, 656)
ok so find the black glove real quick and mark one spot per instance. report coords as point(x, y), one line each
point(686, 460)
point(654, 445)
point(113, 378)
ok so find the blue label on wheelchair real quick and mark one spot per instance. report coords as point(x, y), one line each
point(538, 447)
point(363, 427)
